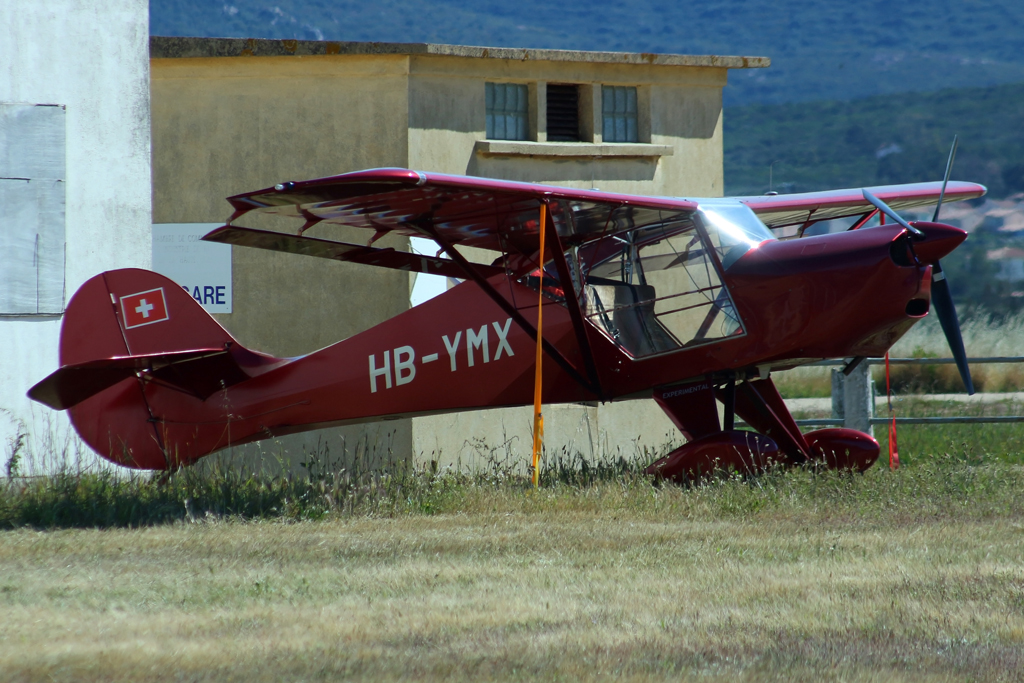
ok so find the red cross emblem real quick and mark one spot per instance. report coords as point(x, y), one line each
point(144, 308)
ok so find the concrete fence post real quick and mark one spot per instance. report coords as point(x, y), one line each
point(853, 399)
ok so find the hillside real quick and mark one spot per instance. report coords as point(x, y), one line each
point(901, 139)
point(881, 139)
point(819, 50)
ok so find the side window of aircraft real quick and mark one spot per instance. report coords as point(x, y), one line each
point(660, 291)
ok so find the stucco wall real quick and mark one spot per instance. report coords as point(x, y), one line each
point(446, 119)
point(92, 58)
point(228, 125)
point(503, 438)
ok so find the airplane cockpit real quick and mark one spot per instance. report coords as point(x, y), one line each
point(659, 288)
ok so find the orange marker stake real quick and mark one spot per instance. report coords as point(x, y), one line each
point(894, 451)
point(538, 416)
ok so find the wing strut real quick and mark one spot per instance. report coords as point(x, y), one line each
point(503, 303)
point(864, 219)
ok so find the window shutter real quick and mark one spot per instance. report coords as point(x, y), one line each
point(563, 113)
point(31, 209)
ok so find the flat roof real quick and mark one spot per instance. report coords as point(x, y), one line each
point(161, 47)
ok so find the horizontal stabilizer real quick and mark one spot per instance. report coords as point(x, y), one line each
point(343, 251)
point(200, 372)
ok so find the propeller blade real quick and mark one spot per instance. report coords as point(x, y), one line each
point(941, 296)
point(942, 299)
point(884, 208)
point(945, 178)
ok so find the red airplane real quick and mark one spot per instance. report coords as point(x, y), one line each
point(686, 301)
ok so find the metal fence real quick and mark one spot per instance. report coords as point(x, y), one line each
point(853, 396)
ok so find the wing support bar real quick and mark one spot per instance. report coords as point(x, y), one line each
point(504, 304)
point(863, 219)
point(759, 404)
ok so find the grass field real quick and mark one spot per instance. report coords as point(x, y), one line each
point(916, 574)
point(913, 575)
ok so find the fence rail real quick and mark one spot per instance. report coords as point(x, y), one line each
point(856, 393)
point(981, 360)
point(836, 421)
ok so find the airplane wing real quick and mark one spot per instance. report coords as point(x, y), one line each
point(795, 209)
point(341, 251)
point(463, 211)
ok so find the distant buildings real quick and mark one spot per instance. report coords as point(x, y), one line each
point(1010, 261)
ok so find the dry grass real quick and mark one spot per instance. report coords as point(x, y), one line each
point(909, 575)
point(611, 581)
point(925, 339)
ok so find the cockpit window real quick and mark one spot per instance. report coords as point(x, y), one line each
point(733, 229)
point(657, 289)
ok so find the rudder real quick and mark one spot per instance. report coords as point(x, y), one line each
point(123, 330)
point(135, 312)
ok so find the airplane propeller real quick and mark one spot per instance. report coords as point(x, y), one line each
point(942, 298)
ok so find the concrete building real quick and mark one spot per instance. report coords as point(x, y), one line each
point(74, 182)
point(230, 116)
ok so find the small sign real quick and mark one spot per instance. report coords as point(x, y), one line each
point(203, 269)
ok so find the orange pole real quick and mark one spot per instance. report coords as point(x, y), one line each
point(538, 416)
point(894, 451)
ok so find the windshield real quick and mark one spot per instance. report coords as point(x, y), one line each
point(733, 228)
point(657, 289)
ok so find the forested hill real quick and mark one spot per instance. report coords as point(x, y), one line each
point(876, 140)
point(819, 50)
point(832, 110)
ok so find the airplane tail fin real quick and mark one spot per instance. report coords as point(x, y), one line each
point(128, 332)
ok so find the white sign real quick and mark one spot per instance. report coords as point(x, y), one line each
point(203, 269)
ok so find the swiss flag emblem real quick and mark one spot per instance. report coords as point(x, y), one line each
point(144, 308)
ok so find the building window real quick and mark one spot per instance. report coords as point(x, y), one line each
point(563, 113)
point(31, 209)
point(619, 113)
point(507, 111)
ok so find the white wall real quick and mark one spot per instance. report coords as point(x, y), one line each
point(92, 57)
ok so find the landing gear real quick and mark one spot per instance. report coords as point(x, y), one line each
point(732, 451)
point(779, 441)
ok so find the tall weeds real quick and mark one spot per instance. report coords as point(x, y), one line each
point(953, 481)
point(983, 336)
